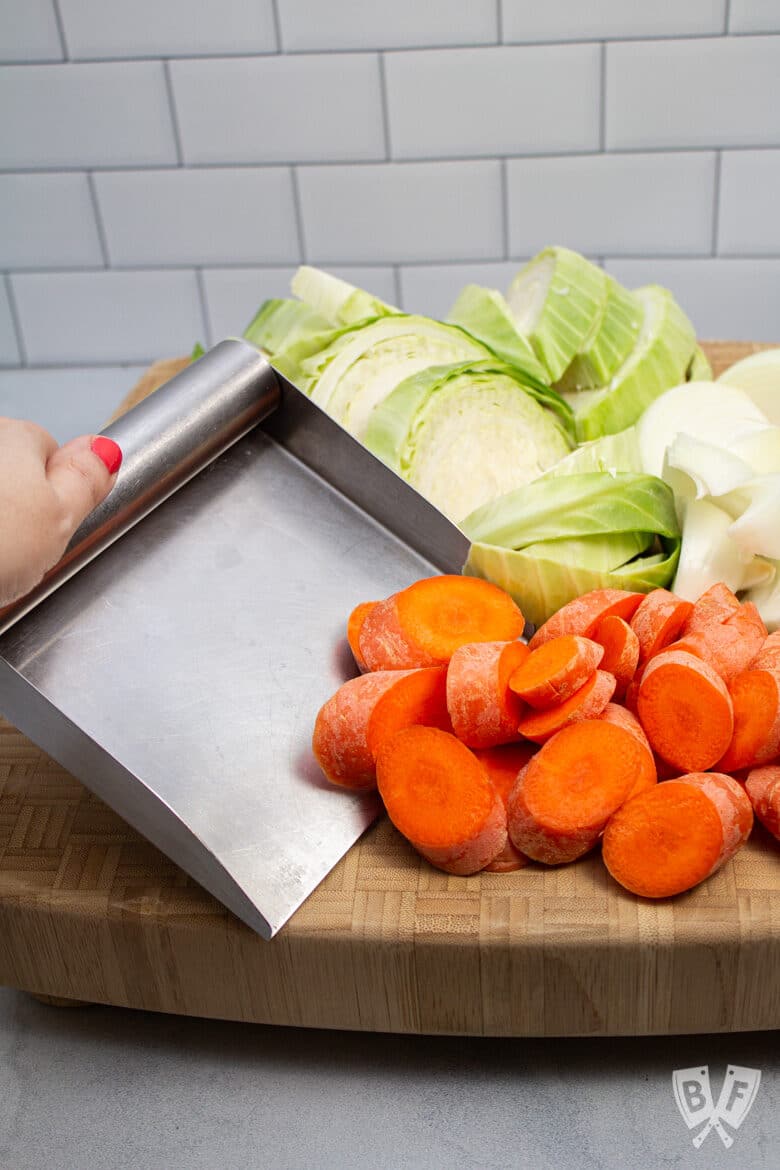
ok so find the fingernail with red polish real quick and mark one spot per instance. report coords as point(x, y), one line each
point(109, 451)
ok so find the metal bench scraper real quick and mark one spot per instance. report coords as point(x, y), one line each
point(175, 659)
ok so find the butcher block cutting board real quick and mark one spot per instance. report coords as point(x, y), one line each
point(89, 911)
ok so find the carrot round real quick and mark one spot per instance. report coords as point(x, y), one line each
point(755, 697)
point(354, 626)
point(555, 670)
point(647, 773)
point(424, 624)
point(658, 620)
point(763, 790)
point(715, 605)
point(621, 650)
point(483, 710)
point(340, 739)
point(685, 710)
point(768, 655)
point(733, 806)
point(439, 796)
point(571, 787)
point(663, 841)
point(418, 696)
point(503, 765)
point(582, 615)
point(586, 703)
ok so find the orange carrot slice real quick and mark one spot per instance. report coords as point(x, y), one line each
point(755, 697)
point(439, 796)
point(569, 790)
point(715, 605)
point(586, 703)
point(424, 624)
point(503, 765)
point(647, 773)
point(768, 656)
point(582, 615)
point(658, 620)
point(733, 805)
point(763, 790)
point(354, 626)
point(685, 710)
point(419, 696)
point(483, 710)
point(555, 670)
point(664, 841)
point(729, 646)
point(621, 650)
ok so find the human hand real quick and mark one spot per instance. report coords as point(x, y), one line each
point(45, 493)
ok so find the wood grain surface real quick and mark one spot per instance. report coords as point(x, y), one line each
point(90, 911)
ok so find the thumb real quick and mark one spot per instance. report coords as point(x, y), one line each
point(81, 473)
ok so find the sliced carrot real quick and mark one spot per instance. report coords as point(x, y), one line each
point(419, 696)
point(586, 703)
point(354, 626)
point(768, 656)
point(715, 605)
point(763, 789)
point(555, 670)
point(755, 697)
point(569, 790)
point(503, 765)
point(733, 805)
point(483, 710)
point(340, 740)
point(424, 624)
point(685, 710)
point(439, 796)
point(663, 841)
point(583, 614)
point(658, 620)
point(621, 650)
point(647, 773)
point(729, 646)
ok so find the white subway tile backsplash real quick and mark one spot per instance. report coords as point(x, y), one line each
point(431, 289)
point(218, 216)
point(280, 109)
point(84, 115)
point(354, 24)
point(754, 16)
point(9, 350)
point(167, 28)
point(571, 20)
point(107, 316)
point(28, 31)
point(750, 203)
point(47, 221)
point(726, 299)
point(612, 203)
point(477, 102)
point(67, 402)
point(233, 295)
point(391, 212)
point(723, 91)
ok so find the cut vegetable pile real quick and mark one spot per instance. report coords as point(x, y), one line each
point(570, 426)
point(644, 723)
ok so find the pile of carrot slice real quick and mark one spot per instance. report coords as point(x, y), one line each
point(641, 723)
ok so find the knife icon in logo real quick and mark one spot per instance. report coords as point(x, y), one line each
point(693, 1095)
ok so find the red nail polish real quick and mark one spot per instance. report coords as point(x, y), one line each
point(109, 452)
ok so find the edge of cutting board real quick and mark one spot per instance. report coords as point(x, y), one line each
point(90, 911)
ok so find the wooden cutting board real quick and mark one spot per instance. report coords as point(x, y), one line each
point(90, 911)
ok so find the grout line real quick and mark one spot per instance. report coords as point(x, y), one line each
point(298, 209)
point(61, 29)
point(603, 99)
point(716, 204)
point(727, 18)
point(385, 106)
point(16, 320)
point(173, 111)
point(100, 225)
point(499, 22)
point(204, 308)
point(397, 284)
point(277, 25)
point(504, 181)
